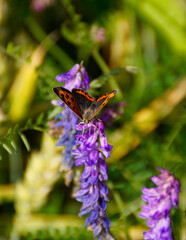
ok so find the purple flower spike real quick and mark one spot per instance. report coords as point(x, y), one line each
point(159, 201)
point(94, 192)
point(66, 121)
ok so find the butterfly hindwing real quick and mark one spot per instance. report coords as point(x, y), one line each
point(102, 101)
point(68, 98)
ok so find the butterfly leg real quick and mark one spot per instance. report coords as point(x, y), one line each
point(85, 126)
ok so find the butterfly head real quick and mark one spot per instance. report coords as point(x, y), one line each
point(86, 120)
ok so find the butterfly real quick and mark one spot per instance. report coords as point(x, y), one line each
point(83, 105)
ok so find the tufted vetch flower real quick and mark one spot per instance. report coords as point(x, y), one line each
point(160, 200)
point(92, 149)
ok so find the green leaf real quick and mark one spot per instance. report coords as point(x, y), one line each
point(99, 82)
point(17, 51)
point(7, 148)
point(10, 47)
point(9, 132)
point(38, 128)
point(25, 141)
point(28, 124)
point(157, 14)
point(16, 128)
point(54, 112)
point(40, 119)
point(13, 144)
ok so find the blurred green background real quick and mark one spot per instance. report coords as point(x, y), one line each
point(138, 47)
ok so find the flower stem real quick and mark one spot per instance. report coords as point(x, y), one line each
point(105, 69)
point(57, 52)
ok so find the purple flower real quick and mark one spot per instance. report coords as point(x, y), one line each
point(98, 34)
point(112, 112)
point(40, 5)
point(53, 131)
point(77, 77)
point(66, 120)
point(159, 201)
point(92, 149)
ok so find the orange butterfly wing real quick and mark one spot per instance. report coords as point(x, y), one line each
point(83, 105)
point(83, 100)
point(67, 97)
point(83, 93)
point(102, 101)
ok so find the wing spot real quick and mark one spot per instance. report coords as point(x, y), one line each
point(61, 95)
point(74, 108)
point(72, 99)
point(69, 103)
point(67, 96)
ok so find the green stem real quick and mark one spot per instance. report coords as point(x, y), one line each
point(105, 69)
point(100, 61)
point(56, 51)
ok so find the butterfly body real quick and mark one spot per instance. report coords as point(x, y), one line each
point(83, 105)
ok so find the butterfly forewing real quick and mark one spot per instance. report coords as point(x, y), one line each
point(102, 101)
point(82, 98)
point(68, 98)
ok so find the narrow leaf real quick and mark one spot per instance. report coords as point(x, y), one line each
point(28, 124)
point(7, 148)
point(38, 128)
point(25, 141)
point(40, 119)
point(13, 144)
